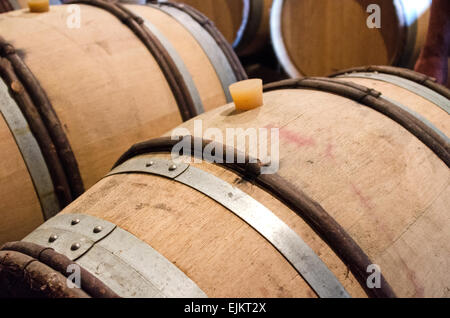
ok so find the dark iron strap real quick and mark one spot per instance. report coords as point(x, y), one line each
point(23, 276)
point(5, 6)
point(416, 77)
point(59, 263)
point(39, 131)
point(44, 124)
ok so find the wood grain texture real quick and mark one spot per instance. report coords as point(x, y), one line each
point(104, 85)
point(219, 251)
point(324, 36)
point(190, 51)
point(387, 189)
point(415, 102)
point(20, 211)
point(364, 169)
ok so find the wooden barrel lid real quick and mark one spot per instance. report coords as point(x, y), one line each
point(324, 36)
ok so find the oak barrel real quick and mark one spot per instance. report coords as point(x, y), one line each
point(74, 97)
point(244, 23)
point(358, 206)
point(318, 37)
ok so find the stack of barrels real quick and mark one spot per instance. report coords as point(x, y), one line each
point(73, 99)
point(105, 168)
point(316, 38)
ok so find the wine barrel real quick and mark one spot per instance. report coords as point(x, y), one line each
point(244, 23)
point(74, 98)
point(357, 207)
point(318, 37)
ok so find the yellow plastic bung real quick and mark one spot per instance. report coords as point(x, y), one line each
point(247, 94)
point(38, 5)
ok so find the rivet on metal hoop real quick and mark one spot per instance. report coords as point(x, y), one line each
point(75, 221)
point(52, 238)
point(150, 163)
point(75, 246)
point(98, 229)
point(172, 167)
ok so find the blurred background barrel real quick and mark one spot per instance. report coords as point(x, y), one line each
point(363, 179)
point(244, 23)
point(5, 6)
point(319, 37)
point(74, 96)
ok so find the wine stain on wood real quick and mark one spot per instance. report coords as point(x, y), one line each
point(162, 206)
point(329, 151)
point(296, 139)
point(141, 206)
point(365, 201)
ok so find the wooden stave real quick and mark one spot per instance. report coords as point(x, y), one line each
point(408, 95)
point(302, 289)
point(68, 199)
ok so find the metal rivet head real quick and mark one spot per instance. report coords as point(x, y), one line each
point(98, 229)
point(149, 164)
point(52, 238)
point(75, 246)
point(75, 221)
point(172, 167)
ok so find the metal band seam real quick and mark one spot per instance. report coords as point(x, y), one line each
point(109, 253)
